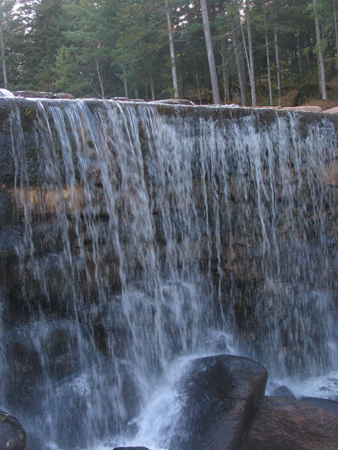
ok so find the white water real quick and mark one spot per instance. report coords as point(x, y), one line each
point(5, 93)
point(170, 230)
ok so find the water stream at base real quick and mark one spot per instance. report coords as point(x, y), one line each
point(144, 237)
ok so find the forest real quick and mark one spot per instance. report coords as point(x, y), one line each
point(229, 51)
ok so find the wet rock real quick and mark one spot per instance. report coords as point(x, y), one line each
point(285, 423)
point(176, 101)
point(283, 391)
point(12, 435)
point(6, 208)
point(222, 394)
point(329, 405)
point(330, 174)
point(120, 99)
point(33, 94)
point(130, 448)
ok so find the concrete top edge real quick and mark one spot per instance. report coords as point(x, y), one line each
point(226, 111)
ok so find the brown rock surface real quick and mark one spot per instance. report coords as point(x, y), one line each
point(330, 173)
point(63, 95)
point(289, 424)
point(332, 110)
point(304, 108)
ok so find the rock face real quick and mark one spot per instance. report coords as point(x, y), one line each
point(285, 423)
point(12, 435)
point(128, 231)
point(222, 394)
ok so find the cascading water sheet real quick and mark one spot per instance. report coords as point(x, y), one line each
point(138, 234)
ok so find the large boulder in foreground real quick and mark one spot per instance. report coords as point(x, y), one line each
point(286, 423)
point(12, 435)
point(221, 395)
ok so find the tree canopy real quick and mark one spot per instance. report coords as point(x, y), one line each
point(113, 48)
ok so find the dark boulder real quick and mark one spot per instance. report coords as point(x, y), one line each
point(283, 391)
point(12, 435)
point(220, 394)
point(286, 423)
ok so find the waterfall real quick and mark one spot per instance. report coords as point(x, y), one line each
point(135, 234)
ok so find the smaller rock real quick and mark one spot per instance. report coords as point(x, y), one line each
point(283, 391)
point(45, 94)
point(63, 95)
point(164, 95)
point(331, 110)
point(12, 435)
point(120, 99)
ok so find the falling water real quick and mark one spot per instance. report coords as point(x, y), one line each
point(135, 234)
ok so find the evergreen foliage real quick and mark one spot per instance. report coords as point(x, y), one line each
point(98, 49)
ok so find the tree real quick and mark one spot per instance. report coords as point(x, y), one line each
point(267, 55)
point(5, 7)
point(321, 61)
point(172, 50)
point(211, 59)
point(239, 59)
point(249, 58)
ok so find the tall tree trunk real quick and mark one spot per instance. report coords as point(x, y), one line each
point(267, 55)
point(300, 55)
point(226, 85)
point(152, 87)
point(211, 59)
point(279, 83)
point(225, 66)
point(4, 71)
point(172, 51)
point(251, 59)
point(197, 77)
point(182, 74)
point(335, 27)
point(125, 85)
point(319, 77)
point(239, 64)
point(99, 77)
point(321, 61)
